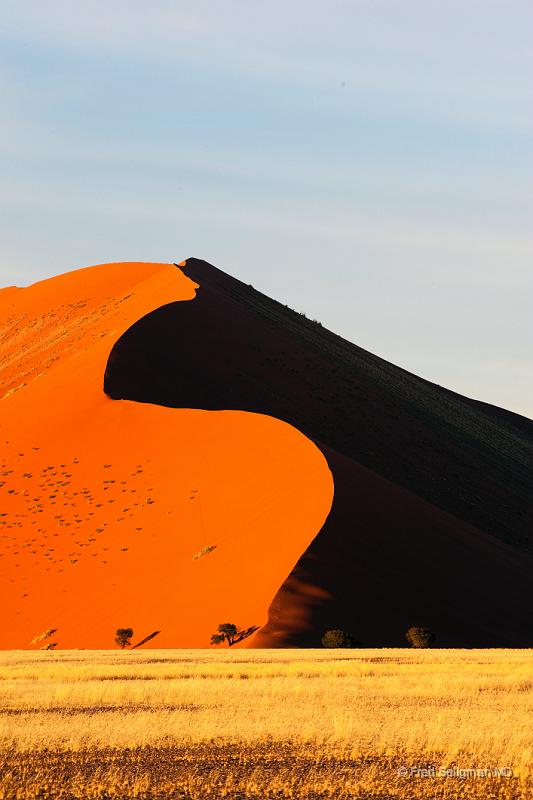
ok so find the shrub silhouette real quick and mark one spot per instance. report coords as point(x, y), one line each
point(123, 637)
point(420, 637)
point(338, 638)
point(228, 632)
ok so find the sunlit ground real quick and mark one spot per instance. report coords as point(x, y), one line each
point(266, 724)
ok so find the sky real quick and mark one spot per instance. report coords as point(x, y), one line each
point(368, 162)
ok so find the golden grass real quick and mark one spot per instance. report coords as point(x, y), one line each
point(300, 724)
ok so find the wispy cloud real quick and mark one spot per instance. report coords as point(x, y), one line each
point(466, 59)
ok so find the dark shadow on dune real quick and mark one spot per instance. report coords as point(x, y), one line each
point(146, 639)
point(246, 634)
point(424, 479)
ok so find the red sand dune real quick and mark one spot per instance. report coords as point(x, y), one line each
point(113, 477)
point(432, 512)
point(105, 502)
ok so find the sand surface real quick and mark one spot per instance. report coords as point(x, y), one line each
point(106, 502)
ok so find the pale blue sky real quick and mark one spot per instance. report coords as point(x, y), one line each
point(368, 162)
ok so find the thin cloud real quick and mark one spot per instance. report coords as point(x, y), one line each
point(415, 56)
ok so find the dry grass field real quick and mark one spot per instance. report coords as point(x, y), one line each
point(299, 724)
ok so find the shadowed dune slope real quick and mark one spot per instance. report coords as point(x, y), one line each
point(432, 514)
point(115, 513)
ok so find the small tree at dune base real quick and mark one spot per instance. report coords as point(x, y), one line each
point(420, 637)
point(338, 638)
point(227, 632)
point(123, 637)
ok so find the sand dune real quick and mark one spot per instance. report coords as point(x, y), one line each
point(179, 451)
point(105, 502)
point(432, 514)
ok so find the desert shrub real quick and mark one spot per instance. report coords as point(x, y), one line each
point(230, 633)
point(338, 638)
point(420, 637)
point(123, 637)
point(227, 632)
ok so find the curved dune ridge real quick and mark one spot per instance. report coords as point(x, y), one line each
point(116, 513)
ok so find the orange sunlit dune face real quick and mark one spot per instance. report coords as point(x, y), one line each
point(121, 514)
